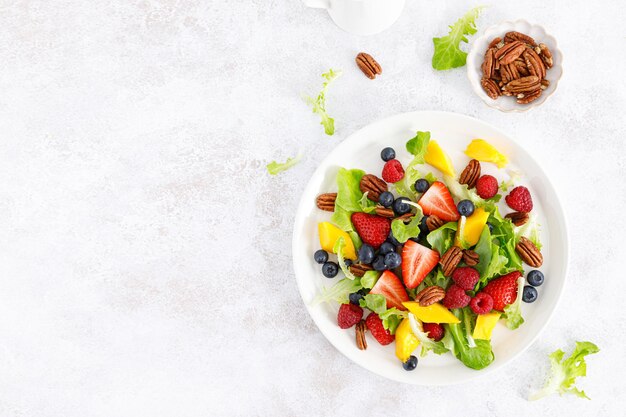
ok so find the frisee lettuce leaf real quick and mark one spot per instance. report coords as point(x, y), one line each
point(529, 230)
point(368, 280)
point(447, 53)
point(563, 372)
point(442, 239)
point(514, 176)
point(426, 343)
point(391, 317)
point(339, 292)
point(367, 205)
point(513, 312)
point(338, 249)
point(403, 232)
point(274, 167)
point(319, 103)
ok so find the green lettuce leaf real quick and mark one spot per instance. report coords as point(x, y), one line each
point(403, 232)
point(563, 372)
point(447, 53)
point(443, 238)
point(513, 312)
point(274, 167)
point(319, 103)
point(391, 317)
point(426, 343)
point(529, 230)
point(477, 357)
point(505, 238)
point(339, 292)
point(338, 249)
point(368, 280)
point(462, 192)
point(367, 205)
point(491, 262)
point(417, 147)
point(514, 176)
point(348, 192)
point(374, 302)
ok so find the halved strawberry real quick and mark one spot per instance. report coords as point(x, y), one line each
point(417, 262)
point(390, 287)
point(438, 201)
point(372, 229)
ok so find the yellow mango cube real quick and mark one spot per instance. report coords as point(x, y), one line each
point(436, 157)
point(483, 151)
point(406, 341)
point(329, 234)
point(485, 324)
point(472, 227)
point(434, 313)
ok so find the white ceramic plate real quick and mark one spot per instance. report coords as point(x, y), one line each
point(477, 53)
point(453, 132)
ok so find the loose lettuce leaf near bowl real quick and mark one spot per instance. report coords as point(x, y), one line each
point(563, 372)
point(274, 167)
point(442, 239)
point(319, 103)
point(477, 357)
point(447, 53)
point(513, 312)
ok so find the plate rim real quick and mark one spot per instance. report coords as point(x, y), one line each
point(299, 216)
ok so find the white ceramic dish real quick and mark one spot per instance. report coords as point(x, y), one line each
point(477, 53)
point(453, 132)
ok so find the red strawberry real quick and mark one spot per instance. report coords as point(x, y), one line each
point(372, 229)
point(465, 277)
point(482, 303)
point(417, 262)
point(487, 186)
point(393, 171)
point(503, 290)
point(456, 297)
point(349, 315)
point(438, 201)
point(519, 199)
point(375, 326)
point(390, 287)
point(435, 331)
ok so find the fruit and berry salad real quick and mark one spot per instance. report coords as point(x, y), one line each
point(427, 261)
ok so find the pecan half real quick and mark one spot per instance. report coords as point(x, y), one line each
point(529, 253)
point(470, 257)
point(518, 218)
point(450, 260)
point(384, 212)
point(546, 55)
point(523, 85)
point(490, 87)
point(525, 98)
point(361, 328)
point(495, 42)
point(430, 295)
point(360, 269)
point(406, 217)
point(326, 201)
point(489, 63)
point(515, 75)
point(373, 186)
point(433, 222)
point(534, 63)
point(517, 36)
point(521, 67)
point(368, 65)
point(470, 174)
point(510, 52)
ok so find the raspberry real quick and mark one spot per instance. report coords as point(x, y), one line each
point(482, 303)
point(349, 315)
point(465, 277)
point(519, 199)
point(375, 326)
point(487, 186)
point(456, 297)
point(435, 331)
point(393, 171)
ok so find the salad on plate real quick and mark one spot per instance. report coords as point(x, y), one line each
point(427, 261)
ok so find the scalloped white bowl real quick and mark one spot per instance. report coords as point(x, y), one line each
point(477, 53)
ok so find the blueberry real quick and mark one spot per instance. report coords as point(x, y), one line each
point(391, 238)
point(366, 254)
point(387, 247)
point(400, 207)
point(320, 256)
point(379, 263)
point(529, 294)
point(535, 278)
point(348, 262)
point(465, 208)
point(490, 226)
point(423, 228)
point(410, 364)
point(330, 269)
point(393, 260)
point(421, 185)
point(355, 297)
point(387, 154)
point(385, 199)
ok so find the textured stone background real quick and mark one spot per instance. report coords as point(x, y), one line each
point(145, 262)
